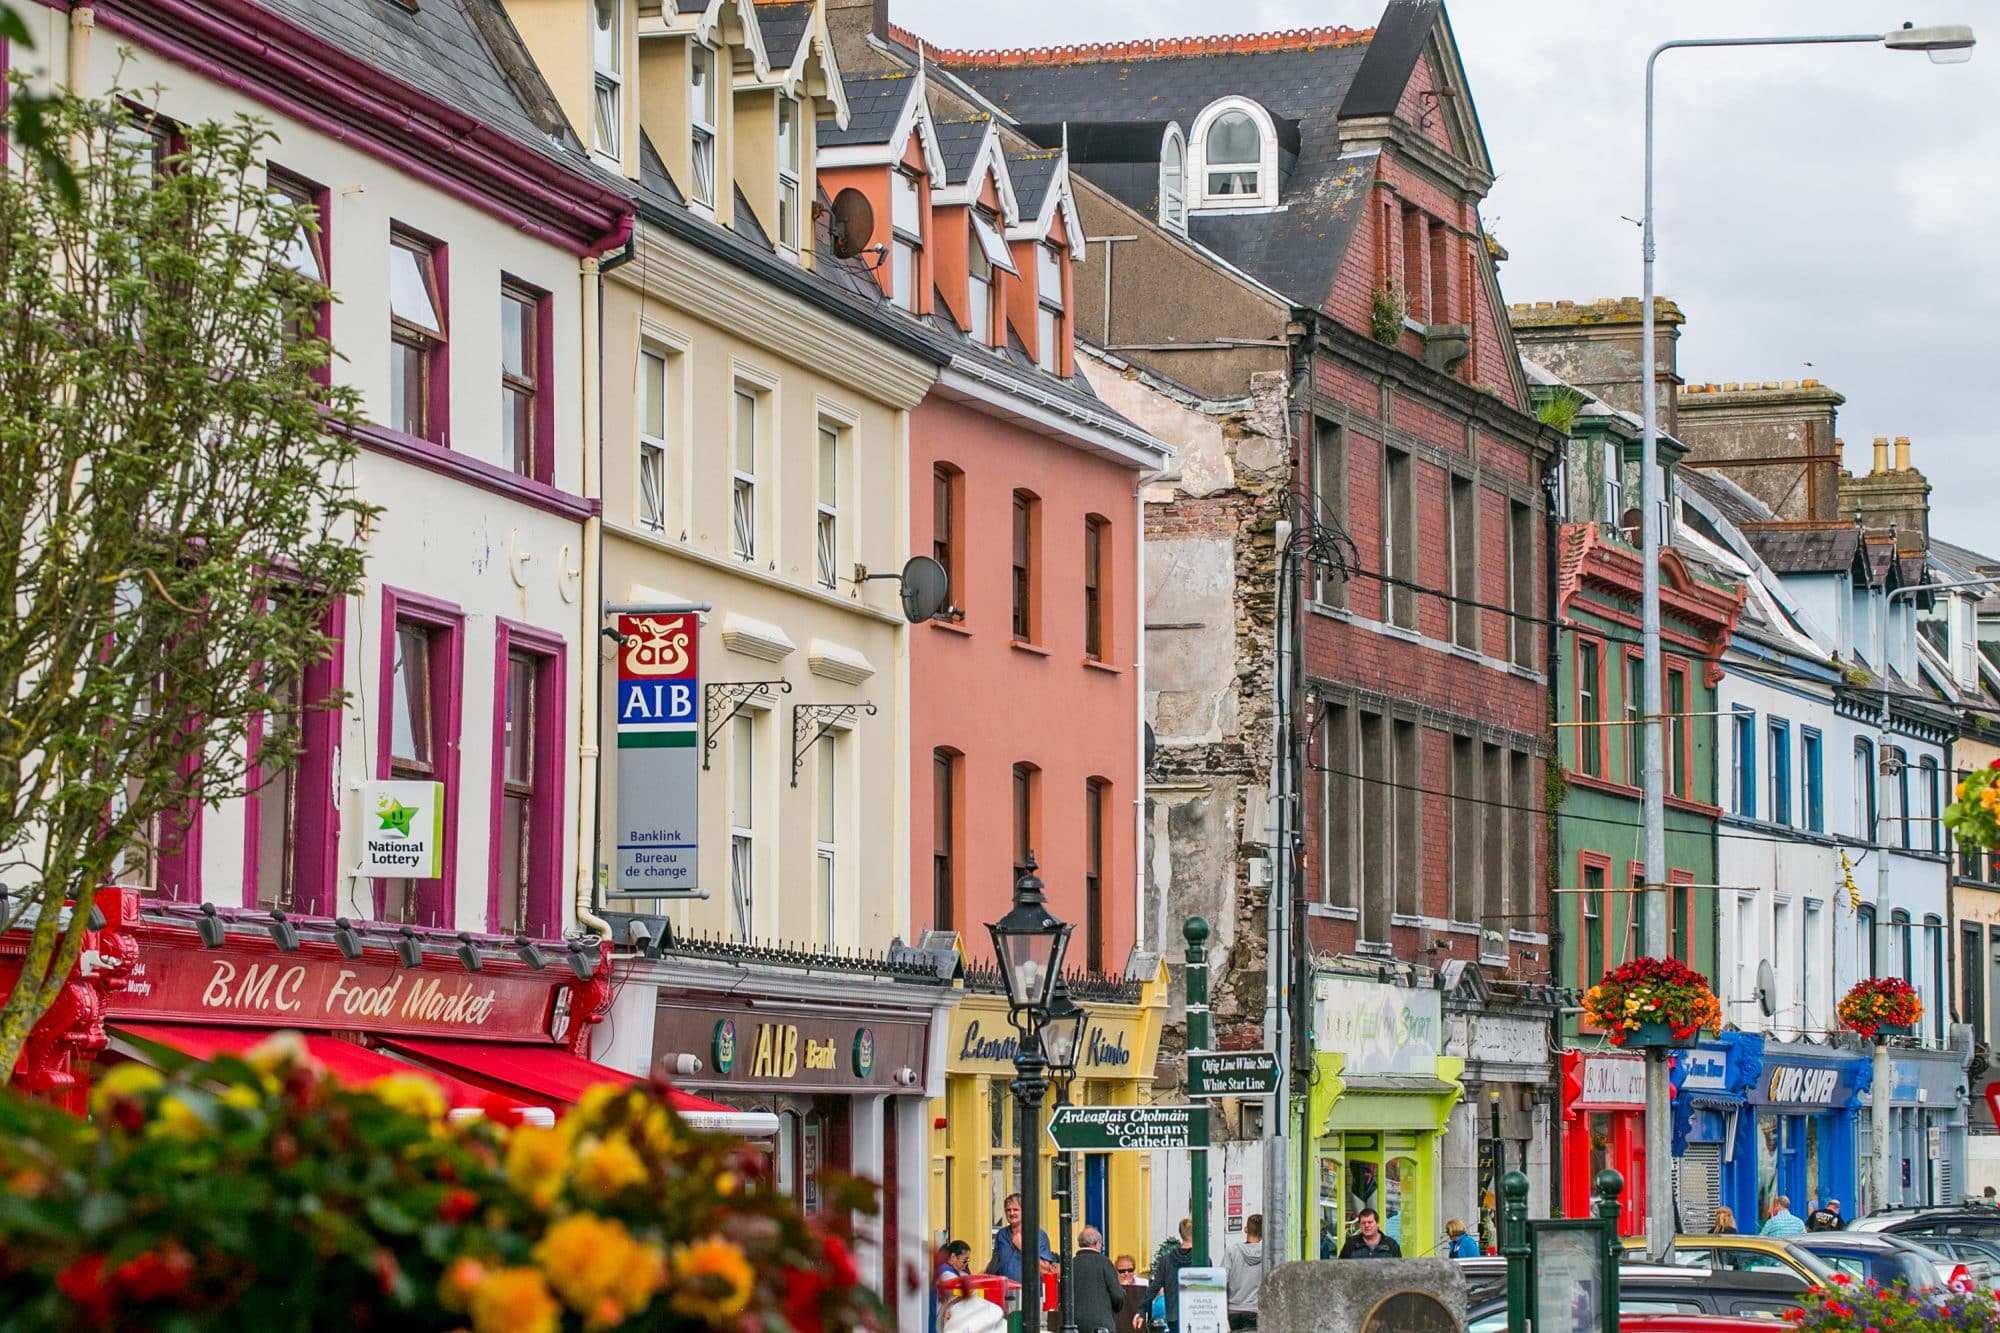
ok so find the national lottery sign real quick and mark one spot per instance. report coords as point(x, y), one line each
point(658, 728)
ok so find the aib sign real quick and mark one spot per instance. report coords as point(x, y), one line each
point(658, 728)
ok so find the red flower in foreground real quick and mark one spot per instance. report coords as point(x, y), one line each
point(154, 1275)
point(804, 1290)
point(83, 1282)
point(840, 1263)
point(458, 1205)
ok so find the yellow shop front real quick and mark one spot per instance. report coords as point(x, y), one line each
point(975, 1126)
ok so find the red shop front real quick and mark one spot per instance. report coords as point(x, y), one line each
point(490, 1026)
point(54, 1065)
point(1604, 1125)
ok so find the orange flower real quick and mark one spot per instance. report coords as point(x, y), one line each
point(460, 1280)
point(537, 1160)
point(713, 1280)
point(591, 1260)
point(608, 1166)
point(514, 1300)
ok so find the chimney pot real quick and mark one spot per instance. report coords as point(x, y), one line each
point(1881, 456)
point(1729, 386)
point(1902, 453)
point(1808, 384)
point(1791, 384)
point(1565, 305)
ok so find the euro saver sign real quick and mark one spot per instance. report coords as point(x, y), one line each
point(658, 737)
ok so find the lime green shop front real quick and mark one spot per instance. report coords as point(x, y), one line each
point(1375, 1118)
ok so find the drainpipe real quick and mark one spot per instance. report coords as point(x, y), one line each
point(1552, 647)
point(591, 683)
point(82, 24)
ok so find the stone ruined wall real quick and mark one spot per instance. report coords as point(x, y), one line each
point(1595, 346)
point(1211, 640)
point(1775, 439)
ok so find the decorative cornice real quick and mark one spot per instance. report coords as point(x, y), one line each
point(756, 638)
point(246, 47)
point(837, 661)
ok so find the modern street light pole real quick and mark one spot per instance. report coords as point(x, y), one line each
point(1943, 44)
point(1028, 945)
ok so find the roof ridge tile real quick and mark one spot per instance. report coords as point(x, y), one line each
point(1145, 48)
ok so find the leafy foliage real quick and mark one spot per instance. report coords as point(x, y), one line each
point(1387, 307)
point(1652, 990)
point(256, 1193)
point(1974, 817)
point(1851, 1307)
point(176, 510)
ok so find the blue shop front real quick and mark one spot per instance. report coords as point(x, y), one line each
point(1715, 1137)
point(1806, 1102)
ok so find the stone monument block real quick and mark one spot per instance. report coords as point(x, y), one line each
point(1365, 1296)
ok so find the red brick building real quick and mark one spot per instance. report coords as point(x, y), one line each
point(1306, 305)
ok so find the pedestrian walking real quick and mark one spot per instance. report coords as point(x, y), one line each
point(1097, 1293)
point(1166, 1279)
point(1244, 1266)
point(1826, 1217)
point(1368, 1242)
point(1782, 1220)
point(1725, 1221)
point(1458, 1242)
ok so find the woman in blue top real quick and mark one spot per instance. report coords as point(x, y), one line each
point(1458, 1243)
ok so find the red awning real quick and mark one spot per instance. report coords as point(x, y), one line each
point(352, 1064)
point(553, 1074)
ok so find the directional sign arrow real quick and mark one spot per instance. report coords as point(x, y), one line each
point(1128, 1128)
point(1232, 1073)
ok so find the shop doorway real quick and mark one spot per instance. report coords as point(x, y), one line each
point(1380, 1171)
point(1096, 1192)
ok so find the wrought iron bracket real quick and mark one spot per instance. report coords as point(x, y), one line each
point(723, 700)
point(810, 722)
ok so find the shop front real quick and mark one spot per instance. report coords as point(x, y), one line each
point(1806, 1103)
point(54, 1065)
point(1382, 1096)
point(835, 1055)
point(1714, 1131)
point(1928, 1112)
point(975, 1140)
point(1503, 1122)
point(1604, 1128)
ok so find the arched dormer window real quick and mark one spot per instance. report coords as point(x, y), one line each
point(1234, 147)
point(1173, 180)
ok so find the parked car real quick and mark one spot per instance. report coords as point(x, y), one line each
point(1748, 1254)
point(1982, 1223)
point(1880, 1257)
point(1699, 1323)
point(1687, 1293)
point(1969, 1250)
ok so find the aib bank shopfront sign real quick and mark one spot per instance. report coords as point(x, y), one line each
point(658, 731)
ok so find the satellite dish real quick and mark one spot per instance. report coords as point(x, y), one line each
point(926, 587)
point(1152, 745)
point(1767, 988)
point(853, 223)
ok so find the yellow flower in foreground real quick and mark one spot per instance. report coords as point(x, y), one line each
point(412, 1094)
point(175, 1119)
point(278, 1051)
point(514, 1300)
point(596, 1266)
point(658, 1130)
point(712, 1280)
point(609, 1165)
point(537, 1160)
point(596, 1098)
point(131, 1080)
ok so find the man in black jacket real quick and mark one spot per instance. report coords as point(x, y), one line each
point(1167, 1266)
point(1368, 1242)
point(1096, 1291)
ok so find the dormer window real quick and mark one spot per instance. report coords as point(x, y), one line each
point(1235, 150)
point(1173, 181)
point(907, 235)
point(702, 115)
point(1049, 308)
point(1233, 155)
point(607, 34)
point(987, 255)
point(791, 167)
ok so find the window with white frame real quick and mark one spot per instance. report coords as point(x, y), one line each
point(1048, 308)
point(742, 827)
point(907, 233)
point(743, 482)
point(607, 37)
point(791, 171)
point(826, 832)
point(702, 117)
point(1233, 154)
point(826, 518)
point(986, 257)
point(653, 439)
point(1173, 181)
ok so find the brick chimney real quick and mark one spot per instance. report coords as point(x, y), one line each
point(1891, 496)
point(1595, 345)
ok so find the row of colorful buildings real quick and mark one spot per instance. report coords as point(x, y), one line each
point(1291, 582)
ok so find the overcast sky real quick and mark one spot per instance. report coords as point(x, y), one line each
point(1833, 206)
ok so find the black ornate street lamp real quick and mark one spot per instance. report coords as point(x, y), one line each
point(1028, 944)
point(1062, 1043)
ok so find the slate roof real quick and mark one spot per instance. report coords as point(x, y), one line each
point(692, 6)
point(746, 223)
point(1117, 111)
point(783, 27)
point(959, 138)
point(1032, 173)
point(874, 105)
point(1729, 499)
point(1806, 550)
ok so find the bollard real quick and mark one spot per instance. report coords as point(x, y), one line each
point(1514, 1244)
point(1609, 1186)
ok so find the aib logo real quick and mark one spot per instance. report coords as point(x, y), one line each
point(658, 645)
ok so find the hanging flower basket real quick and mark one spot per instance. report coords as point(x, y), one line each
point(1652, 1002)
point(1881, 1007)
point(257, 1193)
point(1974, 818)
